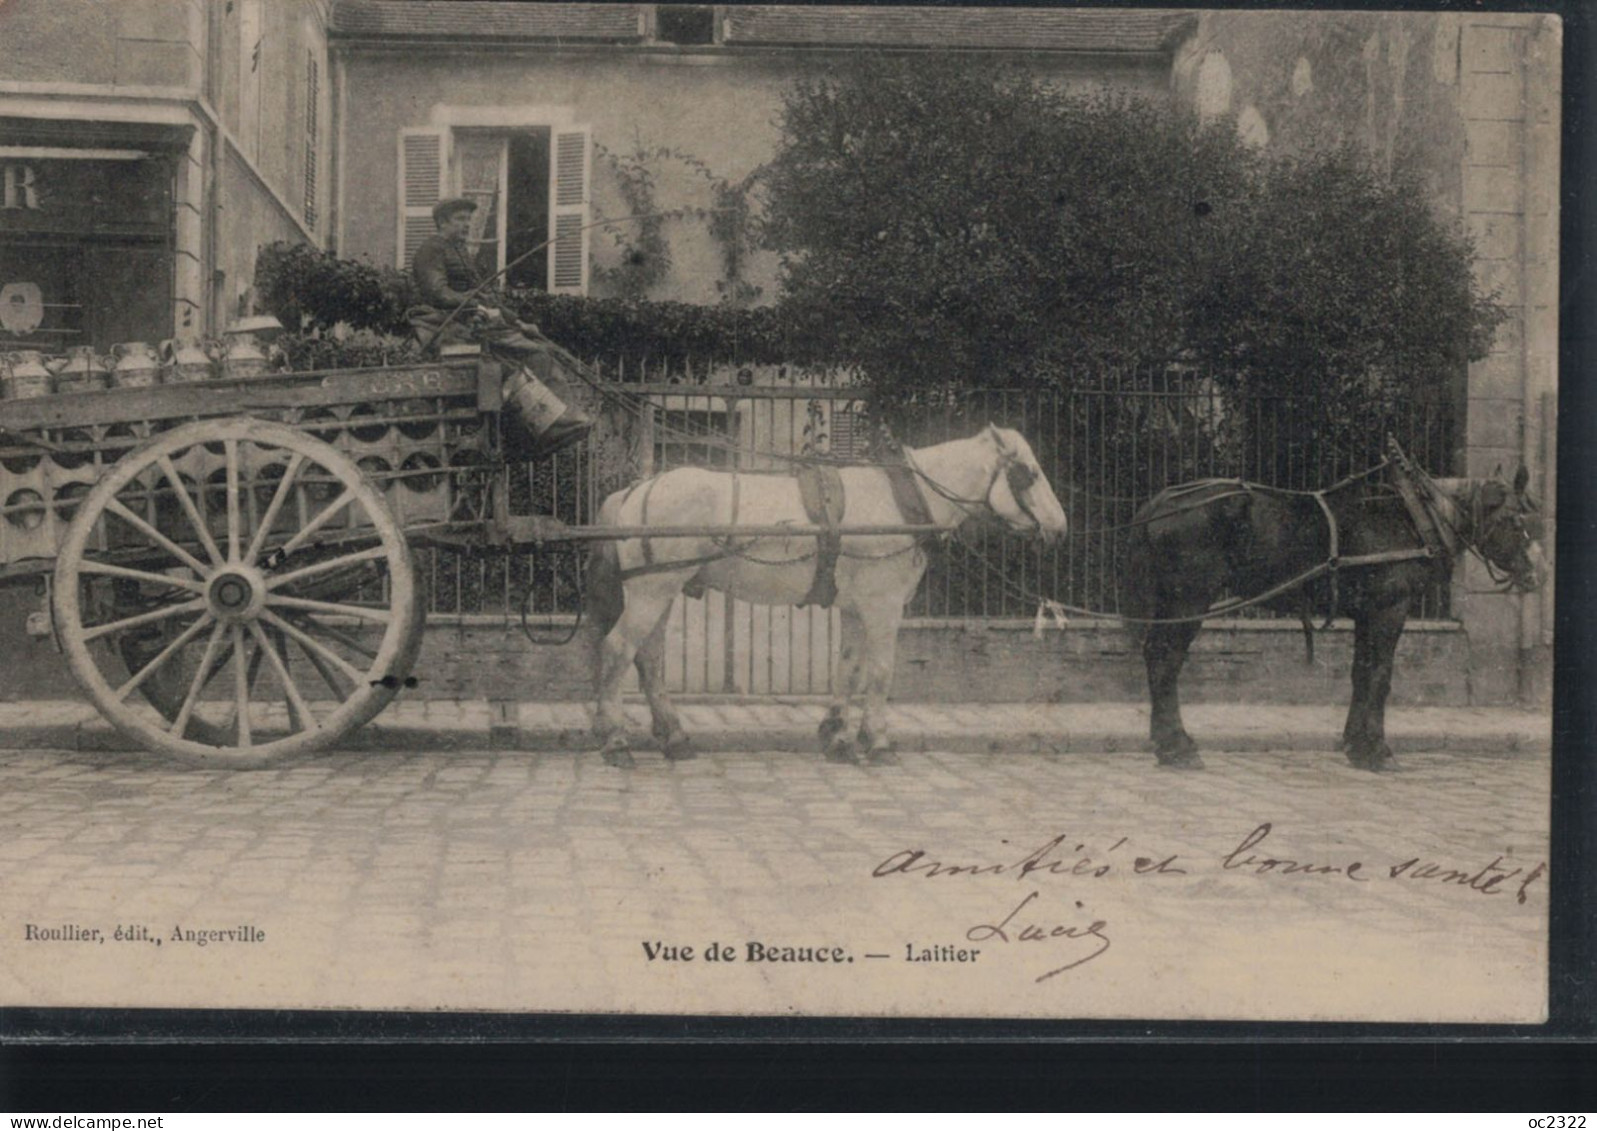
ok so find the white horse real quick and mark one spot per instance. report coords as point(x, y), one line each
point(632, 581)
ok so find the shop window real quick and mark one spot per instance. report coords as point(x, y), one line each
point(529, 185)
point(92, 263)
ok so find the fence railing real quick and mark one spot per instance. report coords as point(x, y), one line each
point(1108, 442)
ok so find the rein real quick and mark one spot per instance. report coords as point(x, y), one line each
point(1008, 466)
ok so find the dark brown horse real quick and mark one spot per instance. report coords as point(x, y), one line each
point(1363, 549)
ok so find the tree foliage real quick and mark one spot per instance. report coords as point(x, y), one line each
point(943, 222)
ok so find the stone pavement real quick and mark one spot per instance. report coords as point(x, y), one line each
point(485, 879)
point(788, 724)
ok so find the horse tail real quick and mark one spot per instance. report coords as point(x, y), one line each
point(1306, 619)
point(604, 596)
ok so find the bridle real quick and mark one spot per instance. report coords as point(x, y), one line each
point(1018, 475)
point(1483, 525)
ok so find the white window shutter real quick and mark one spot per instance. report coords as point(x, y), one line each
point(568, 211)
point(423, 163)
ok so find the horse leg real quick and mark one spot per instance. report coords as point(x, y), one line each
point(617, 651)
point(1381, 629)
point(667, 726)
point(835, 744)
point(1164, 651)
point(881, 640)
point(1358, 708)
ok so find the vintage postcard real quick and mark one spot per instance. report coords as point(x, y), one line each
point(1033, 513)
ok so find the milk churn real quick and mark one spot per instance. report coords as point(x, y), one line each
point(83, 372)
point(185, 361)
point(537, 423)
point(25, 375)
point(243, 351)
point(136, 367)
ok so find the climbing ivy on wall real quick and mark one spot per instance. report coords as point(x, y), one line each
point(639, 231)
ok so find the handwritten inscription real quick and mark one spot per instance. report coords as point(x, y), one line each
point(1051, 859)
point(1016, 928)
point(1031, 925)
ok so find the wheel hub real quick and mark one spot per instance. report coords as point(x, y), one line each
point(236, 594)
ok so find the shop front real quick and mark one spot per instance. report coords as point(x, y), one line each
point(86, 245)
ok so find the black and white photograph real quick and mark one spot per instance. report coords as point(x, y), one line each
point(750, 511)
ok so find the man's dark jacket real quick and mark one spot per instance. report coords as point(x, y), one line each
point(445, 274)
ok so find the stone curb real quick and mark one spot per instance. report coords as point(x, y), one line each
point(563, 727)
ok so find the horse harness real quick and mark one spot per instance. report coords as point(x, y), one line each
point(1429, 525)
point(821, 492)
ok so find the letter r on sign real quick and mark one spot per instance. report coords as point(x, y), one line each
point(19, 189)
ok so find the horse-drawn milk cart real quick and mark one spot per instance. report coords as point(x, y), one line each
point(227, 564)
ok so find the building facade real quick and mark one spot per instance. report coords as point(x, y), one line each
point(579, 117)
point(147, 148)
point(1469, 104)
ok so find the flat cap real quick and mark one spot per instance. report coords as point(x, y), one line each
point(444, 209)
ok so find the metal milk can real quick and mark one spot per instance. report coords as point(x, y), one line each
point(137, 367)
point(243, 354)
point(25, 375)
point(186, 361)
point(83, 372)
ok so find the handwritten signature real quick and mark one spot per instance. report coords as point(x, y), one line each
point(1006, 930)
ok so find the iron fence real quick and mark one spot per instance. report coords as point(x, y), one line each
point(1108, 441)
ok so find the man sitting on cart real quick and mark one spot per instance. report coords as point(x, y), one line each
point(459, 304)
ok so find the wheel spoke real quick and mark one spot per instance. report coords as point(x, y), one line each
point(180, 723)
point(331, 633)
point(295, 699)
point(89, 565)
point(233, 514)
point(94, 632)
point(322, 670)
point(241, 686)
point(161, 657)
point(313, 645)
point(190, 509)
point(364, 612)
point(319, 521)
point(116, 507)
point(373, 554)
point(284, 486)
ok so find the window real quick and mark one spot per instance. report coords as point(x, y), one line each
point(693, 437)
point(530, 185)
point(686, 24)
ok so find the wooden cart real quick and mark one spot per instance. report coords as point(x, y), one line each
point(228, 565)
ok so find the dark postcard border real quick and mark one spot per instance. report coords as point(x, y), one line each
point(251, 1050)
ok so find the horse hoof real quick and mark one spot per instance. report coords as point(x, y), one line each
point(679, 749)
point(1180, 754)
point(1186, 759)
point(842, 752)
point(1376, 761)
point(618, 755)
point(883, 756)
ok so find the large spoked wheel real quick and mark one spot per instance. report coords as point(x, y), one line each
point(246, 581)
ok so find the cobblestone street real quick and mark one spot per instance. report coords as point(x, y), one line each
point(519, 880)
